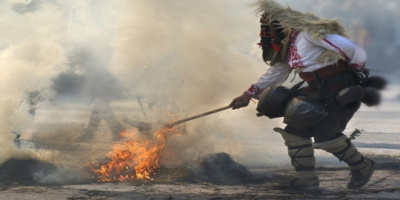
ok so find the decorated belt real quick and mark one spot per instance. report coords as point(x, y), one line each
point(325, 72)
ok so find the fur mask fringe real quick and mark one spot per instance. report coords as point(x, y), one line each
point(307, 22)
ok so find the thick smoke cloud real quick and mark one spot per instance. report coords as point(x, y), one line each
point(31, 54)
point(188, 57)
point(184, 57)
point(178, 56)
point(185, 49)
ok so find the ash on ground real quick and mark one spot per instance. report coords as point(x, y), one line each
point(220, 168)
point(217, 169)
point(24, 171)
point(36, 172)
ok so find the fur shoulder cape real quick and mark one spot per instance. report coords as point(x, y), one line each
point(291, 19)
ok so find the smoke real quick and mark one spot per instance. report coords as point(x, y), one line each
point(185, 57)
point(31, 53)
point(182, 51)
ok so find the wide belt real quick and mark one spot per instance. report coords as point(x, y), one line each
point(330, 78)
point(326, 72)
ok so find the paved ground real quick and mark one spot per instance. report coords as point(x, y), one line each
point(384, 185)
point(380, 140)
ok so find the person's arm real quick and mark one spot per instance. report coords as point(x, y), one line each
point(275, 75)
point(354, 54)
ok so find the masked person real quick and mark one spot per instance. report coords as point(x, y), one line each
point(334, 68)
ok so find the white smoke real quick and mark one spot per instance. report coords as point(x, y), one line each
point(185, 49)
point(191, 56)
point(180, 56)
point(183, 56)
point(31, 54)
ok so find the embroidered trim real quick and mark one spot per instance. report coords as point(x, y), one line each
point(293, 56)
point(359, 67)
point(254, 91)
point(340, 50)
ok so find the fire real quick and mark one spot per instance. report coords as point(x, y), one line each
point(134, 159)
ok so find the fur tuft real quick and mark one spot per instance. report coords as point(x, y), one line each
point(307, 22)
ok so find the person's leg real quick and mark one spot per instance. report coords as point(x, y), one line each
point(115, 126)
point(91, 128)
point(301, 152)
point(361, 168)
point(329, 137)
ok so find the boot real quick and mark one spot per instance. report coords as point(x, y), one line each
point(301, 152)
point(361, 168)
point(360, 177)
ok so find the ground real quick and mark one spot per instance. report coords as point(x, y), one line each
point(379, 140)
point(383, 185)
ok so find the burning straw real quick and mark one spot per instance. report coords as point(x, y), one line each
point(133, 158)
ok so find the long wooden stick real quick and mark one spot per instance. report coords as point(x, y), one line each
point(169, 125)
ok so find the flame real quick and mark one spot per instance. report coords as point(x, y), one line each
point(134, 159)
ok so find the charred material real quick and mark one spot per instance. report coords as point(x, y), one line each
point(24, 172)
point(220, 168)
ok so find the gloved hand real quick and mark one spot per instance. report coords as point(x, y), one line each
point(240, 101)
